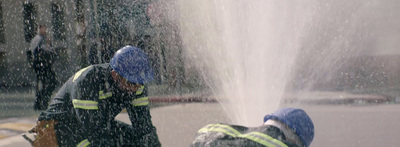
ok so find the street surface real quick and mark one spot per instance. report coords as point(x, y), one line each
point(340, 119)
point(335, 125)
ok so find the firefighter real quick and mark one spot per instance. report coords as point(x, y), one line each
point(287, 127)
point(83, 111)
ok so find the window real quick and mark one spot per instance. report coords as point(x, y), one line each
point(58, 21)
point(2, 38)
point(30, 25)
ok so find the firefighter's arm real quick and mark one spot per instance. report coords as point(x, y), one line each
point(139, 114)
point(89, 109)
point(93, 122)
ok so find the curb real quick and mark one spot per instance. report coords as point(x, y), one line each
point(347, 100)
point(182, 99)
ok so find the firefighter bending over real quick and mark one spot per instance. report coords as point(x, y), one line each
point(83, 111)
point(286, 127)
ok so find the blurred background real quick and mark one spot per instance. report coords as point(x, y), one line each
point(252, 57)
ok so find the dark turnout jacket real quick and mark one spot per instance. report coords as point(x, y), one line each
point(221, 135)
point(87, 104)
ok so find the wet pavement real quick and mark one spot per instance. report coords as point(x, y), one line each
point(340, 119)
point(17, 114)
point(176, 131)
point(335, 125)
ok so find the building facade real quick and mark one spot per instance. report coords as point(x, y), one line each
point(85, 32)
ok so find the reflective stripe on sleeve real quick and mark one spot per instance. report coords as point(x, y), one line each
point(263, 139)
point(258, 137)
point(227, 129)
point(79, 73)
point(103, 95)
point(140, 101)
point(83, 143)
point(140, 90)
point(85, 104)
point(218, 129)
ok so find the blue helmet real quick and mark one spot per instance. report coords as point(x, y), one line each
point(297, 120)
point(132, 64)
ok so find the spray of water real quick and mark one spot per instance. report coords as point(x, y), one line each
point(250, 52)
point(245, 51)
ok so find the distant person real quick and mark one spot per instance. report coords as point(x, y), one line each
point(83, 111)
point(287, 127)
point(43, 58)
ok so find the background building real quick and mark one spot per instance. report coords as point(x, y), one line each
point(86, 32)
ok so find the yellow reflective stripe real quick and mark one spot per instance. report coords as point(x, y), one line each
point(229, 128)
point(83, 143)
point(265, 136)
point(258, 137)
point(263, 139)
point(217, 130)
point(103, 95)
point(84, 104)
point(140, 90)
point(79, 73)
point(220, 128)
point(140, 101)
